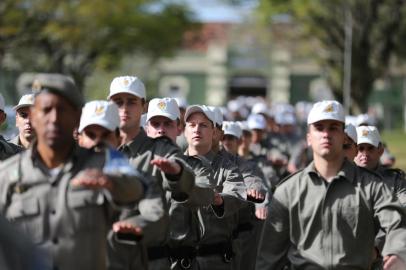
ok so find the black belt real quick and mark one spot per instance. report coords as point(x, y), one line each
point(224, 249)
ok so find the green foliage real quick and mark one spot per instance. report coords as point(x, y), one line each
point(379, 31)
point(76, 36)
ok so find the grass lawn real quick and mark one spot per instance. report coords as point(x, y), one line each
point(396, 142)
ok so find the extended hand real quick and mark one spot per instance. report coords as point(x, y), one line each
point(92, 178)
point(261, 213)
point(167, 166)
point(393, 262)
point(256, 195)
point(218, 200)
point(125, 227)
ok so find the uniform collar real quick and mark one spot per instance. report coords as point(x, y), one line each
point(132, 147)
point(347, 171)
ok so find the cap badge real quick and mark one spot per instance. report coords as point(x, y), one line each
point(329, 108)
point(126, 82)
point(36, 86)
point(99, 110)
point(365, 133)
point(162, 105)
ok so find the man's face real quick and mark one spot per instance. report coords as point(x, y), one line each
point(54, 120)
point(199, 130)
point(130, 109)
point(230, 143)
point(159, 126)
point(350, 149)
point(368, 156)
point(246, 139)
point(326, 138)
point(257, 135)
point(23, 123)
point(95, 135)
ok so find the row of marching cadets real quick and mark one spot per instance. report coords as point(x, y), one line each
point(95, 190)
point(106, 185)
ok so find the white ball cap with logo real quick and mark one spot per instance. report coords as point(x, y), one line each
point(256, 121)
point(200, 109)
point(351, 132)
point(369, 135)
point(2, 103)
point(232, 128)
point(99, 112)
point(25, 101)
point(167, 107)
point(127, 84)
point(326, 110)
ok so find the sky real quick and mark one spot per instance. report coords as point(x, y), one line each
point(219, 11)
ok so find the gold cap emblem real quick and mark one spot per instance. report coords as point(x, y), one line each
point(162, 105)
point(126, 82)
point(365, 133)
point(329, 108)
point(99, 110)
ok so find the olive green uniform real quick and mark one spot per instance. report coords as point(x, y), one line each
point(314, 224)
point(8, 149)
point(217, 224)
point(69, 223)
point(152, 212)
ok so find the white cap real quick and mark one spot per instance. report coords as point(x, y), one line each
point(143, 120)
point(218, 115)
point(100, 112)
point(182, 102)
point(368, 134)
point(351, 119)
point(364, 119)
point(200, 109)
point(234, 105)
point(244, 125)
point(260, 108)
point(351, 132)
point(2, 103)
point(285, 119)
point(127, 84)
point(25, 101)
point(167, 107)
point(256, 121)
point(232, 128)
point(326, 110)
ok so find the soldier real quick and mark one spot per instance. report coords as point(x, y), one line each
point(163, 164)
point(370, 150)
point(163, 120)
point(56, 192)
point(252, 216)
point(6, 149)
point(217, 221)
point(26, 133)
point(99, 125)
point(327, 215)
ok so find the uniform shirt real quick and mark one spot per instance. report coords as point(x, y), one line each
point(69, 223)
point(218, 223)
point(8, 149)
point(320, 225)
point(152, 211)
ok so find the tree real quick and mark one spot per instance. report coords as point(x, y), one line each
point(76, 36)
point(379, 29)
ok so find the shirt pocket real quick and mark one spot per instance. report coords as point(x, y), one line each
point(88, 210)
point(25, 213)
